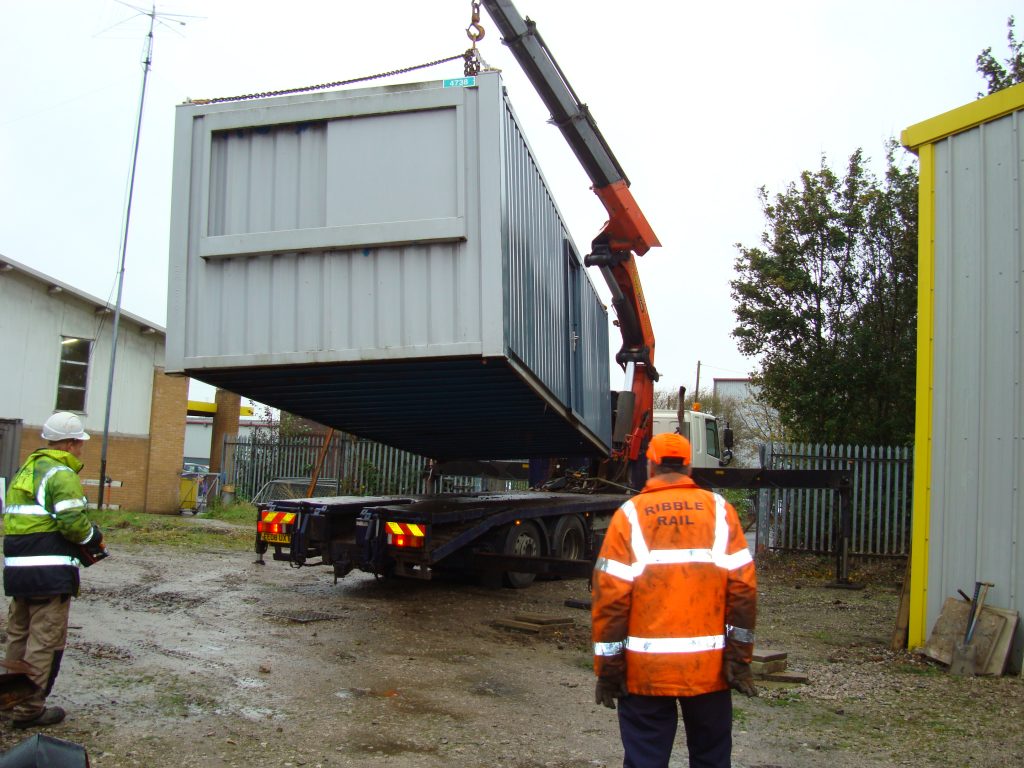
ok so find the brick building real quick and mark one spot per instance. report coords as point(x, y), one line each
point(55, 344)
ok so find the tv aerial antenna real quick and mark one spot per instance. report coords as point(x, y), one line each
point(166, 20)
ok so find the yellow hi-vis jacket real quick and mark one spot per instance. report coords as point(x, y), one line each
point(44, 522)
point(674, 585)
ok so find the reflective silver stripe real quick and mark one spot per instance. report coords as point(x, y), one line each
point(63, 506)
point(736, 559)
point(41, 491)
point(609, 649)
point(721, 532)
point(20, 562)
point(88, 538)
point(614, 568)
point(677, 556)
point(641, 553)
point(675, 644)
point(739, 634)
point(25, 509)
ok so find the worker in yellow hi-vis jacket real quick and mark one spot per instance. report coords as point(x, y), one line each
point(47, 534)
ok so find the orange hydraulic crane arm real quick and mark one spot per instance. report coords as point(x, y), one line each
point(627, 232)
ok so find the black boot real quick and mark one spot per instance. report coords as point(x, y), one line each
point(49, 716)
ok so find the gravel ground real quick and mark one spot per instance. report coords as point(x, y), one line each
point(197, 659)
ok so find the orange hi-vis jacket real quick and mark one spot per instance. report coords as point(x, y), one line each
point(674, 585)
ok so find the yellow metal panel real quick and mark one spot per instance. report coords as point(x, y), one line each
point(964, 118)
point(923, 414)
point(201, 408)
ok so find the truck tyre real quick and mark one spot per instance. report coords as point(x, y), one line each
point(569, 541)
point(523, 539)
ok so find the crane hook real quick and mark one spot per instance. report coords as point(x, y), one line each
point(475, 32)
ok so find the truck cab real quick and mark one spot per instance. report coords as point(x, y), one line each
point(701, 429)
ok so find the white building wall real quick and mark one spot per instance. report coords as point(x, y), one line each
point(37, 312)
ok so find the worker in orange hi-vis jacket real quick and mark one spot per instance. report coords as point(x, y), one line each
point(674, 608)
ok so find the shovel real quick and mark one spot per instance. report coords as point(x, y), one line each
point(965, 654)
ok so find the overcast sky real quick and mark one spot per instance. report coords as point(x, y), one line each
point(702, 103)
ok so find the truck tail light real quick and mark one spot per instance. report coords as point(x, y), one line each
point(406, 535)
point(275, 522)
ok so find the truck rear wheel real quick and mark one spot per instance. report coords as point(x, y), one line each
point(569, 541)
point(524, 540)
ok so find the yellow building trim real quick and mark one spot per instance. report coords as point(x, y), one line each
point(918, 620)
point(202, 408)
point(964, 118)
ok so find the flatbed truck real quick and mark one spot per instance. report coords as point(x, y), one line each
point(523, 534)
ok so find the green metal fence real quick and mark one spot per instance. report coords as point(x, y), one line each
point(263, 466)
point(807, 519)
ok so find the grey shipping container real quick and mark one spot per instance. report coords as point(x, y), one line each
point(390, 262)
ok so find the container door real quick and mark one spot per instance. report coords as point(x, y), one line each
point(573, 299)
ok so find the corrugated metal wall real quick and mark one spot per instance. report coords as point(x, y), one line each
point(977, 405)
point(556, 323)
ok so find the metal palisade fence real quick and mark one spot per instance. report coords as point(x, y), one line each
point(807, 519)
point(268, 467)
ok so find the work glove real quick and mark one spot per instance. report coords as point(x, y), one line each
point(739, 677)
point(609, 689)
point(94, 549)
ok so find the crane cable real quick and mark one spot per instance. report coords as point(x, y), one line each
point(471, 57)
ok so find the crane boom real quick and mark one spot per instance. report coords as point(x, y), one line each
point(626, 233)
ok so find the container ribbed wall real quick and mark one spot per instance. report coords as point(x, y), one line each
point(345, 238)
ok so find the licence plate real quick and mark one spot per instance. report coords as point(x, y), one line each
point(276, 538)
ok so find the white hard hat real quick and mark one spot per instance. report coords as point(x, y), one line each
point(64, 426)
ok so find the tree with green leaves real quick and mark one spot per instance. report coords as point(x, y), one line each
point(1002, 75)
point(828, 302)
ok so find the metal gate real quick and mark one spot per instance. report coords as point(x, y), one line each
point(807, 519)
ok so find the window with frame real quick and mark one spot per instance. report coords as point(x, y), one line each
point(74, 373)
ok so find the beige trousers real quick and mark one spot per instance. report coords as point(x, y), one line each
point(37, 631)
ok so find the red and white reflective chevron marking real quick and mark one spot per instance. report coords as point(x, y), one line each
point(278, 517)
point(407, 529)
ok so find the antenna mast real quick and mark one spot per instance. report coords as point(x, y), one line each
point(147, 61)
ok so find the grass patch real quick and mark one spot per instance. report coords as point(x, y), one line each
point(124, 528)
point(240, 513)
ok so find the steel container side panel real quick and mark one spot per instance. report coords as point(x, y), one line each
point(282, 177)
point(539, 289)
point(595, 375)
point(490, 229)
point(537, 327)
point(976, 507)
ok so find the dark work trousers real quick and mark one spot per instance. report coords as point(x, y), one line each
point(648, 728)
point(37, 631)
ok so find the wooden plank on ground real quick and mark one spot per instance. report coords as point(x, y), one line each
point(996, 662)
point(898, 641)
point(519, 626)
point(950, 627)
point(543, 619)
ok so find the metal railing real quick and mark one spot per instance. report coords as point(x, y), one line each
point(807, 519)
point(352, 467)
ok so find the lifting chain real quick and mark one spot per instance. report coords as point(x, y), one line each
point(472, 59)
point(475, 32)
point(323, 86)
